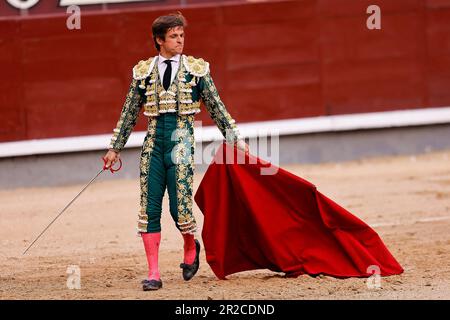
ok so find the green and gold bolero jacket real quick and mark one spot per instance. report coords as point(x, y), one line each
point(192, 82)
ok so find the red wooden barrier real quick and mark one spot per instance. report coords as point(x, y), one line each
point(270, 60)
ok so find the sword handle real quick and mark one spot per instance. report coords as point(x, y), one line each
point(111, 168)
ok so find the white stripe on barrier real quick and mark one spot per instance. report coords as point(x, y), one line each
point(360, 121)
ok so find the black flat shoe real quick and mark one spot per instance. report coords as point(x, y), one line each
point(189, 270)
point(148, 285)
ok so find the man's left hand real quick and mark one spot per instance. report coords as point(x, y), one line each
point(240, 144)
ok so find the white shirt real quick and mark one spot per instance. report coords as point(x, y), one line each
point(162, 66)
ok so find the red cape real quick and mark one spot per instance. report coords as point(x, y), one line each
point(281, 222)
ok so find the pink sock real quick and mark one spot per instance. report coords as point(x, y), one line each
point(151, 245)
point(189, 248)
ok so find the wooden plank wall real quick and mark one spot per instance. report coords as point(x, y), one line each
point(270, 60)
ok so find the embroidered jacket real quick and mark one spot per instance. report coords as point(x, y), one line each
point(192, 83)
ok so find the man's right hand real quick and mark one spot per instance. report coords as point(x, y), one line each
point(111, 158)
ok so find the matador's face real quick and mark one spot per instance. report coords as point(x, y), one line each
point(174, 42)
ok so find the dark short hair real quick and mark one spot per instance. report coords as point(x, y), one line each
point(163, 23)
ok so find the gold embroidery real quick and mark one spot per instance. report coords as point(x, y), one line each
point(197, 67)
point(184, 172)
point(179, 93)
point(146, 152)
point(217, 110)
point(187, 106)
point(167, 100)
point(128, 117)
point(142, 69)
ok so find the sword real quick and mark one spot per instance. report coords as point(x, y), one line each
point(68, 205)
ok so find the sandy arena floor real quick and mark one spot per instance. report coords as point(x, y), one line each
point(406, 199)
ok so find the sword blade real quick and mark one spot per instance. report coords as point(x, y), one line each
point(68, 205)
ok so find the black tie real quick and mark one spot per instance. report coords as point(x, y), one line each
point(167, 74)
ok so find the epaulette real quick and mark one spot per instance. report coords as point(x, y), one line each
point(143, 68)
point(197, 67)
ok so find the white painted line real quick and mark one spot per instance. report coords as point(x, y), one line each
point(360, 121)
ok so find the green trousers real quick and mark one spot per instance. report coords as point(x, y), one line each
point(162, 172)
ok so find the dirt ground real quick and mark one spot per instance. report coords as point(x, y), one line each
point(406, 199)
